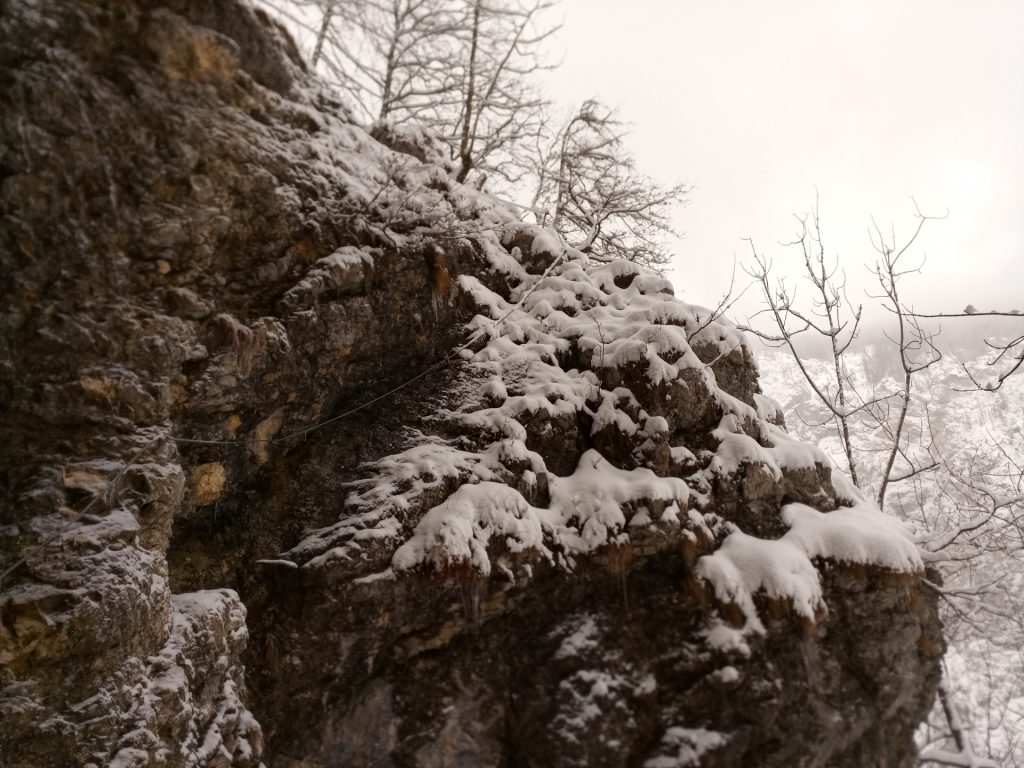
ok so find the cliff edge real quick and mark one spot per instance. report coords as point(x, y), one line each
point(314, 457)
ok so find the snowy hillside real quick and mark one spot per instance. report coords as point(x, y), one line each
point(961, 419)
point(976, 438)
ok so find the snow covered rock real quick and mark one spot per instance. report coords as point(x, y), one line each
point(314, 456)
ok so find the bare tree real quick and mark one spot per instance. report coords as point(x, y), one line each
point(392, 58)
point(917, 350)
point(499, 113)
point(593, 133)
point(588, 182)
point(967, 504)
point(1008, 354)
point(464, 68)
point(829, 315)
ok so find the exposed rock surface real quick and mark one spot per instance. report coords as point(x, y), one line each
point(583, 539)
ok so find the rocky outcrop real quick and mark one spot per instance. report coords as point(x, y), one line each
point(315, 457)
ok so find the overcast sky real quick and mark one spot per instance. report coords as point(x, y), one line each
point(756, 104)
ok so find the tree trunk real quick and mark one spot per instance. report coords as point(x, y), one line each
point(322, 34)
point(466, 143)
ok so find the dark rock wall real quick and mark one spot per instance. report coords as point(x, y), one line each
point(176, 200)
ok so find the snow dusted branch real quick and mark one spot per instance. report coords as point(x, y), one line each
point(964, 757)
point(967, 506)
point(725, 303)
point(916, 346)
point(1009, 353)
point(589, 185)
point(465, 68)
point(828, 315)
point(942, 757)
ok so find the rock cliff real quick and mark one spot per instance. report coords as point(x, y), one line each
point(314, 457)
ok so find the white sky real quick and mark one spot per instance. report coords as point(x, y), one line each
point(758, 103)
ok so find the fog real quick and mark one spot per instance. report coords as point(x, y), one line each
point(761, 106)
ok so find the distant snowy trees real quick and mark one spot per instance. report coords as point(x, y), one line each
point(965, 501)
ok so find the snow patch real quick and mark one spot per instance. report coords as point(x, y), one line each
point(783, 569)
point(685, 746)
point(584, 638)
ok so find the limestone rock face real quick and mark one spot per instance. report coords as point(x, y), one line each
point(314, 457)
